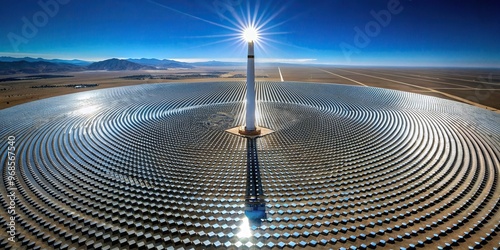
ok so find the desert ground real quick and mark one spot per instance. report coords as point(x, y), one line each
point(478, 87)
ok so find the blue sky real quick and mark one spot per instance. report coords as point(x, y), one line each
point(345, 32)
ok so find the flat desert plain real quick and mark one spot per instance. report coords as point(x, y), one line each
point(474, 86)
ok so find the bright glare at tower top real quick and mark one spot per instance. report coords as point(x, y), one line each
point(250, 34)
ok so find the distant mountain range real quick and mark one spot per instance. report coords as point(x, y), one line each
point(218, 64)
point(161, 64)
point(30, 59)
point(29, 65)
point(117, 64)
point(25, 67)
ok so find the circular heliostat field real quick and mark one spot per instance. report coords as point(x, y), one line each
point(152, 166)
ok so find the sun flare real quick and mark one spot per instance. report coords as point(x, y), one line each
point(250, 34)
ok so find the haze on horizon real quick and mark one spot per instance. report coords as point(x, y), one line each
point(338, 32)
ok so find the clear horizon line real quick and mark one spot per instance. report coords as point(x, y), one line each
point(300, 61)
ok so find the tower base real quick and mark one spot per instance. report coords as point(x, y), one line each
point(258, 132)
point(243, 131)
